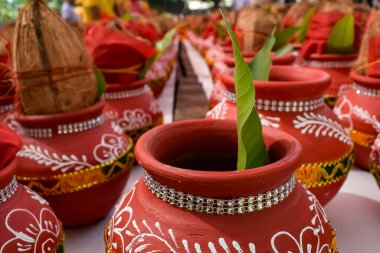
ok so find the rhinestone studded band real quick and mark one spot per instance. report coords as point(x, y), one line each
point(8, 191)
point(282, 106)
point(328, 64)
point(6, 108)
point(125, 93)
point(365, 91)
point(64, 128)
point(220, 206)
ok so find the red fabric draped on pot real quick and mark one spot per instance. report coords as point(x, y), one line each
point(6, 84)
point(143, 29)
point(26, 219)
point(119, 55)
point(192, 199)
point(292, 101)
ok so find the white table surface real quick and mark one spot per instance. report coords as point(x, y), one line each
point(354, 212)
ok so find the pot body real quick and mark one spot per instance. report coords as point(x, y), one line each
point(27, 222)
point(144, 221)
point(358, 108)
point(374, 161)
point(134, 108)
point(78, 161)
point(338, 67)
point(303, 115)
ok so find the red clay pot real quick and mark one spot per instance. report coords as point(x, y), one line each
point(228, 65)
point(78, 161)
point(133, 108)
point(6, 106)
point(192, 165)
point(27, 223)
point(358, 109)
point(292, 101)
point(337, 66)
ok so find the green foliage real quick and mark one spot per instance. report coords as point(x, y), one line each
point(283, 38)
point(284, 50)
point(100, 82)
point(341, 39)
point(305, 25)
point(252, 151)
point(221, 31)
point(262, 62)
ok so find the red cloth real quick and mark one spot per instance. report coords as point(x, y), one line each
point(144, 30)
point(288, 21)
point(374, 55)
point(318, 32)
point(112, 49)
point(10, 143)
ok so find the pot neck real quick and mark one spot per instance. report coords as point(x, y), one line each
point(47, 126)
point(327, 64)
point(359, 89)
point(6, 104)
point(116, 92)
point(7, 191)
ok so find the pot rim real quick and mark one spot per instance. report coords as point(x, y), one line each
point(314, 84)
point(268, 176)
point(332, 57)
point(50, 120)
point(287, 59)
point(366, 81)
point(6, 100)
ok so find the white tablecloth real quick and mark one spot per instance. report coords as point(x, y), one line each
point(354, 212)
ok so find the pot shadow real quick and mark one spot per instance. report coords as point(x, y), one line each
point(357, 223)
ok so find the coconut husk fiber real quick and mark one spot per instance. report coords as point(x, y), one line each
point(368, 62)
point(344, 6)
point(54, 71)
point(253, 25)
point(296, 13)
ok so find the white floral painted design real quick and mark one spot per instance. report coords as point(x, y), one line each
point(320, 125)
point(34, 234)
point(57, 162)
point(110, 147)
point(366, 117)
point(111, 115)
point(343, 110)
point(343, 88)
point(375, 153)
point(270, 121)
point(127, 234)
point(35, 196)
point(154, 107)
point(134, 119)
point(219, 111)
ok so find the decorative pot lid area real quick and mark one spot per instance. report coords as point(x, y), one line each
point(8, 191)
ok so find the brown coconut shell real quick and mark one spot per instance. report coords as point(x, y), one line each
point(54, 71)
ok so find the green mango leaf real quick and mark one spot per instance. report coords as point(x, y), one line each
point(341, 39)
point(100, 82)
point(305, 25)
point(221, 31)
point(284, 50)
point(283, 38)
point(161, 47)
point(252, 151)
point(262, 62)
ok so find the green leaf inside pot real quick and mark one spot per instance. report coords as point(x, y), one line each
point(284, 50)
point(284, 37)
point(100, 82)
point(252, 151)
point(161, 47)
point(262, 62)
point(305, 25)
point(341, 39)
point(221, 31)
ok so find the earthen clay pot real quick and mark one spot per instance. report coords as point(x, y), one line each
point(192, 199)
point(78, 161)
point(133, 108)
point(293, 101)
point(27, 222)
point(228, 65)
point(338, 67)
point(358, 108)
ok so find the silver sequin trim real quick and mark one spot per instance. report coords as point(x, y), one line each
point(8, 191)
point(234, 206)
point(125, 94)
point(64, 128)
point(365, 91)
point(328, 64)
point(6, 108)
point(282, 106)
